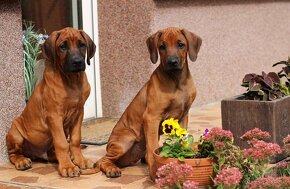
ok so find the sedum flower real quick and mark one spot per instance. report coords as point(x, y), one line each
point(262, 150)
point(283, 168)
point(189, 185)
point(219, 145)
point(283, 164)
point(270, 183)
point(286, 142)
point(218, 134)
point(228, 177)
point(255, 133)
point(173, 174)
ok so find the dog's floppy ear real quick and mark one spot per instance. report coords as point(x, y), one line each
point(48, 48)
point(194, 43)
point(91, 47)
point(152, 46)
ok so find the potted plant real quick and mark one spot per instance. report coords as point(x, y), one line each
point(265, 104)
point(283, 167)
point(247, 168)
point(234, 168)
point(282, 179)
point(32, 42)
point(179, 147)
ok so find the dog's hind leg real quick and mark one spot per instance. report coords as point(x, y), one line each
point(117, 147)
point(15, 141)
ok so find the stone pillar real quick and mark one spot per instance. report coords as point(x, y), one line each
point(12, 88)
point(125, 66)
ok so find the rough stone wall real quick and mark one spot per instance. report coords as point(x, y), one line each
point(12, 90)
point(239, 36)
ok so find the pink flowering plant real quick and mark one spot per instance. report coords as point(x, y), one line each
point(270, 183)
point(286, 142)
point(245, 165)
point(283, 167)
point(228, 178)
point(234, 168)
point(173, 175)
point(260, 152)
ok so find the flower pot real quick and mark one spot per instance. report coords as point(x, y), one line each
point(202, 167)
point(239, 116)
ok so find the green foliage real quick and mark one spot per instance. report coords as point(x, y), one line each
point(179, 144)
point(32, 42)
point(285, 73)
point(205, 149)
point(174, 147)
point(284, 171)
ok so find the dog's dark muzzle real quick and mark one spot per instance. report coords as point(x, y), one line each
point(75, 63)
point(173, 63)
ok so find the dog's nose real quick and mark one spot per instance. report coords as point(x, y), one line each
point(75, 63)
point(77, 60)
point(172, 61)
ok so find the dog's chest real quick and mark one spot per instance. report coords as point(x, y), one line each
point(76, 95)
point(179, 105)
point(74, 102)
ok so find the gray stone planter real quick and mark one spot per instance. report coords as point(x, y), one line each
point(240, 115)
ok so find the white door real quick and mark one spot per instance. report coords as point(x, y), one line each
point(93, 105)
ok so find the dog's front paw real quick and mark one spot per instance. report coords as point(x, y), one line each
point(110, 169)
point(70, 170)
point(23, 163)
point(113, 172)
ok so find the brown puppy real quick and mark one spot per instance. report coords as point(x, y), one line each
point(169, 93)
point(54, 112)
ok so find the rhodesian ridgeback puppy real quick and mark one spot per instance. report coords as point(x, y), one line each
point(54, 113)
point(168, 94)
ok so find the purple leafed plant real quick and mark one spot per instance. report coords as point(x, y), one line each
point(265, 87)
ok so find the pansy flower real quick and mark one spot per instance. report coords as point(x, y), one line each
point(181, 132)
point(170, 126)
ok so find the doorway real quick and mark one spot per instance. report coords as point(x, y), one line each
point(50, 15)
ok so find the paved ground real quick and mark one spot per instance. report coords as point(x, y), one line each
point(45, 175)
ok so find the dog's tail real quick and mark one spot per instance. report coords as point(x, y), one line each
point(94, 170)
point(89, 171)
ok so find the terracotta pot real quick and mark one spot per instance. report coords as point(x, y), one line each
point(202, 167)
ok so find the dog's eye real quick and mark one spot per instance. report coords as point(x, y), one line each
point(81, 44)
point(63, 46)
point(180, 45)
point(162, 47)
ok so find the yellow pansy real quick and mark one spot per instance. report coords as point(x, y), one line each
point(168, 130)
point(181, 132)
point(169, 126)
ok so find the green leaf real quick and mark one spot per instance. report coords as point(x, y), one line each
point(220, 187)
point(216, 168)
point(181, 158)
point(222, 160)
